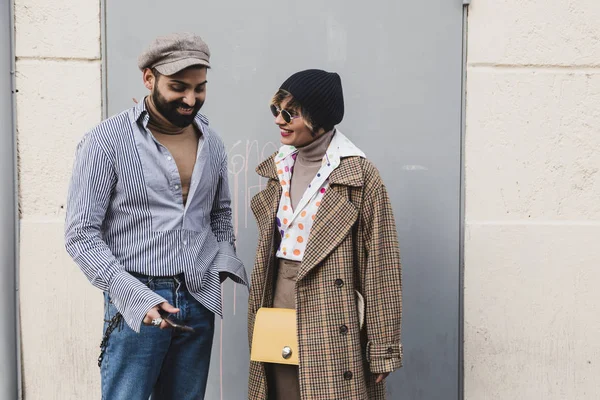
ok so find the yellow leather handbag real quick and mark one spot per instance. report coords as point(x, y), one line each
point(274, 339)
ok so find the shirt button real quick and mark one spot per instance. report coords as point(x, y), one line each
point(339, 282)
point(347, 375)
point(169, 158)
point(176, 186)
point(390, 350)
point(343, 329)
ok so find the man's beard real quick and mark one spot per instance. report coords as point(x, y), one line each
point(169, 110)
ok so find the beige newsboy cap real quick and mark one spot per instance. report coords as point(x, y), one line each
point(172, 53)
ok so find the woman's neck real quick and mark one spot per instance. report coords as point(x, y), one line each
point(313, 152)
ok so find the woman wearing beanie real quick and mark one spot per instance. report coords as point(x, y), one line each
point(328, 249)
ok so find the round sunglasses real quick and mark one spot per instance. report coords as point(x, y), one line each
point(285, 114)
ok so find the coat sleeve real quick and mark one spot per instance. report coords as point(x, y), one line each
point(382, 288)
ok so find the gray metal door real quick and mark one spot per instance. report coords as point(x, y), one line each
point(401, 66)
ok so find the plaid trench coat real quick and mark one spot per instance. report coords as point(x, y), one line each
point(352, 246)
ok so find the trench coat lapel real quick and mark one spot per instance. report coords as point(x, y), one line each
point(336, 216)
point(264, 206)
point(266, 202)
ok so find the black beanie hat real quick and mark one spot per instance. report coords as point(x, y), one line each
point(319, 94)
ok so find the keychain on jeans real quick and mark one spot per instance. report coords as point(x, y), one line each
point(113, 323)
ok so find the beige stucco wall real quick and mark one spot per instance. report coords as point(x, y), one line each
point(532, 306)
point(59, 83)
point(532, 198)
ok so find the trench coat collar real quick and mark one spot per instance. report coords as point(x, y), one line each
point(348, 173)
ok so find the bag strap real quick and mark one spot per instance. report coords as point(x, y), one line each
point(269, 267)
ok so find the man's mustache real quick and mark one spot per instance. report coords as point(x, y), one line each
point(186, 107)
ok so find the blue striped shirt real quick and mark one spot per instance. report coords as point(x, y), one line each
point(125, 213)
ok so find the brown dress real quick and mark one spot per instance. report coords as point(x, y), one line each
point(283, 379)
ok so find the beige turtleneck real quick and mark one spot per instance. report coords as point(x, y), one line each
point(308, 162)
point(182, 143)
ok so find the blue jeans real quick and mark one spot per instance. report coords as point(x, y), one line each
point(167, 364)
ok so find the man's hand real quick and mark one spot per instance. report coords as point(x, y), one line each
point(153, 313)
point(381, 377)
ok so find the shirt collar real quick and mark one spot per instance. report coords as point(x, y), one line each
point(339, 147)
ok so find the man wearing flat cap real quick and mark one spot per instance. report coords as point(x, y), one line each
point(149, 223)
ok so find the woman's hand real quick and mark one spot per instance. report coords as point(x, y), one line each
point(381, 377)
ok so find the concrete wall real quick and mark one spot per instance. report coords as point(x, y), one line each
point(533, 200)
point(532, 208)
point(59, 83)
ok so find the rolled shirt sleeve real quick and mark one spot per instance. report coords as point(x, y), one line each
point(90, 191)
point(226, 261)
